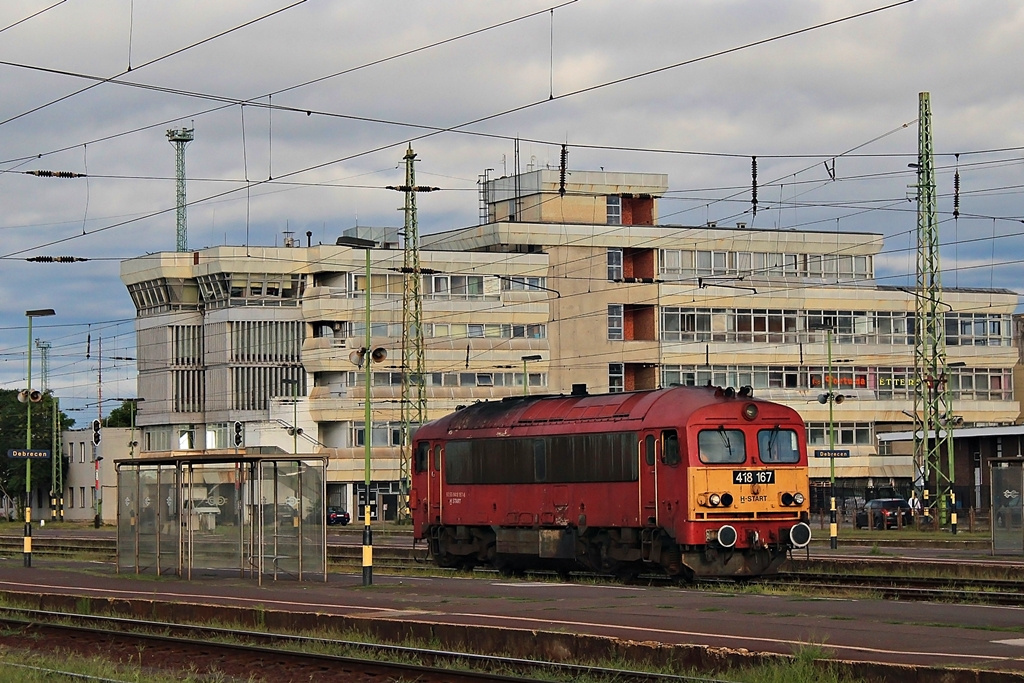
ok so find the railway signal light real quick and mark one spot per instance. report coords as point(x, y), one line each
point(96, 435)
point(239, 434)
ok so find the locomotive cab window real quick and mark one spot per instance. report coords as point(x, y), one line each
point(437, 458)
point(649, 449)
point(778, 445)
point(422, 458)
point(721, 446)
point(670, 447)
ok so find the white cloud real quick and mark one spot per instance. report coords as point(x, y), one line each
point(817, 93)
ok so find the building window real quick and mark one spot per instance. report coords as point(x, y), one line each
point(616, 378)
point(522, 283)
point(614, 204)
point(615, 315)
point(71, 496)
point(81, 497)
point(615, 264)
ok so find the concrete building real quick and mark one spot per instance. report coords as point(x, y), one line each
point(578, 275)
point(80, 490)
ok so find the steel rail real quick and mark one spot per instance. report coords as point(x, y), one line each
point(445, 665)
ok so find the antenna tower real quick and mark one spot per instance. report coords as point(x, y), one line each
point(179, 138)
point(44, 354)
point(933, 414)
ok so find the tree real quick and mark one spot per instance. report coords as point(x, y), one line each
point(13, 415)
point(122, 416)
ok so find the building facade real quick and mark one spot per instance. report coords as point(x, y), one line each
point(560, 285)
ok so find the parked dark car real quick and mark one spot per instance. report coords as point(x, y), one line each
point(337, 516)
point(286, 514)
point(885, 513)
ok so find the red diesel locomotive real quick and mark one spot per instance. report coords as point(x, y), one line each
point(692, 481)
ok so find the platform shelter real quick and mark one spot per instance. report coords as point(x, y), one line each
point(249, 516)
point(1007, 521)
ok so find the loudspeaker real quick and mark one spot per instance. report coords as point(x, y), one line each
point(35, 396)
point(379, 354)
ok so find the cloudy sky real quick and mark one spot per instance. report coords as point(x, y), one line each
point(302, 112)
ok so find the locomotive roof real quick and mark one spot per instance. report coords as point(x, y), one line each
point(525, 411)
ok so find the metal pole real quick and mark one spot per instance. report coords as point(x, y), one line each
point(833, 527)
point(98, 521)
point(525, 393)
point(367, 437)
point(54, 454)
point(58, 462)
point(28, 461)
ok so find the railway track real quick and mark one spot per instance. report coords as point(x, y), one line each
point(953, 589)
point(860, 574)
point(255, 655)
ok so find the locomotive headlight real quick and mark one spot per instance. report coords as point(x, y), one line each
point(715, 500)
point(787, 499)
point(750, 411)
point(726, 499)
point(798, 498)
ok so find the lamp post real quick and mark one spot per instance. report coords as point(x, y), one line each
point(367, 437)
point(833, 527)
point(39, 313)
point(527, 359)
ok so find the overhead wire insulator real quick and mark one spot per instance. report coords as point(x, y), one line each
point(561, 170)
point(55, 174)
point(55, 259)
point(753, 184)
point(412, 188)
point(956, 189)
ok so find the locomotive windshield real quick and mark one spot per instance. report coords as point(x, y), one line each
point(778, 445)
point(721, 446)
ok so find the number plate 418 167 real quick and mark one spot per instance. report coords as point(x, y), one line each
point(753, 476)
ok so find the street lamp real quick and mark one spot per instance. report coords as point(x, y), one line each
point(39, 313)
point(363, 359)
point(527, 359)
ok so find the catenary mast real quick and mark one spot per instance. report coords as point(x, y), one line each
point(933, 415)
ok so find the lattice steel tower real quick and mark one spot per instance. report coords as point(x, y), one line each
point(44, 354)
point(179, 138)
point(933, 415)
point(414, 399)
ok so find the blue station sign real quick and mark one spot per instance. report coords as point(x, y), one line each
point(831, 454)
point(24, 454)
